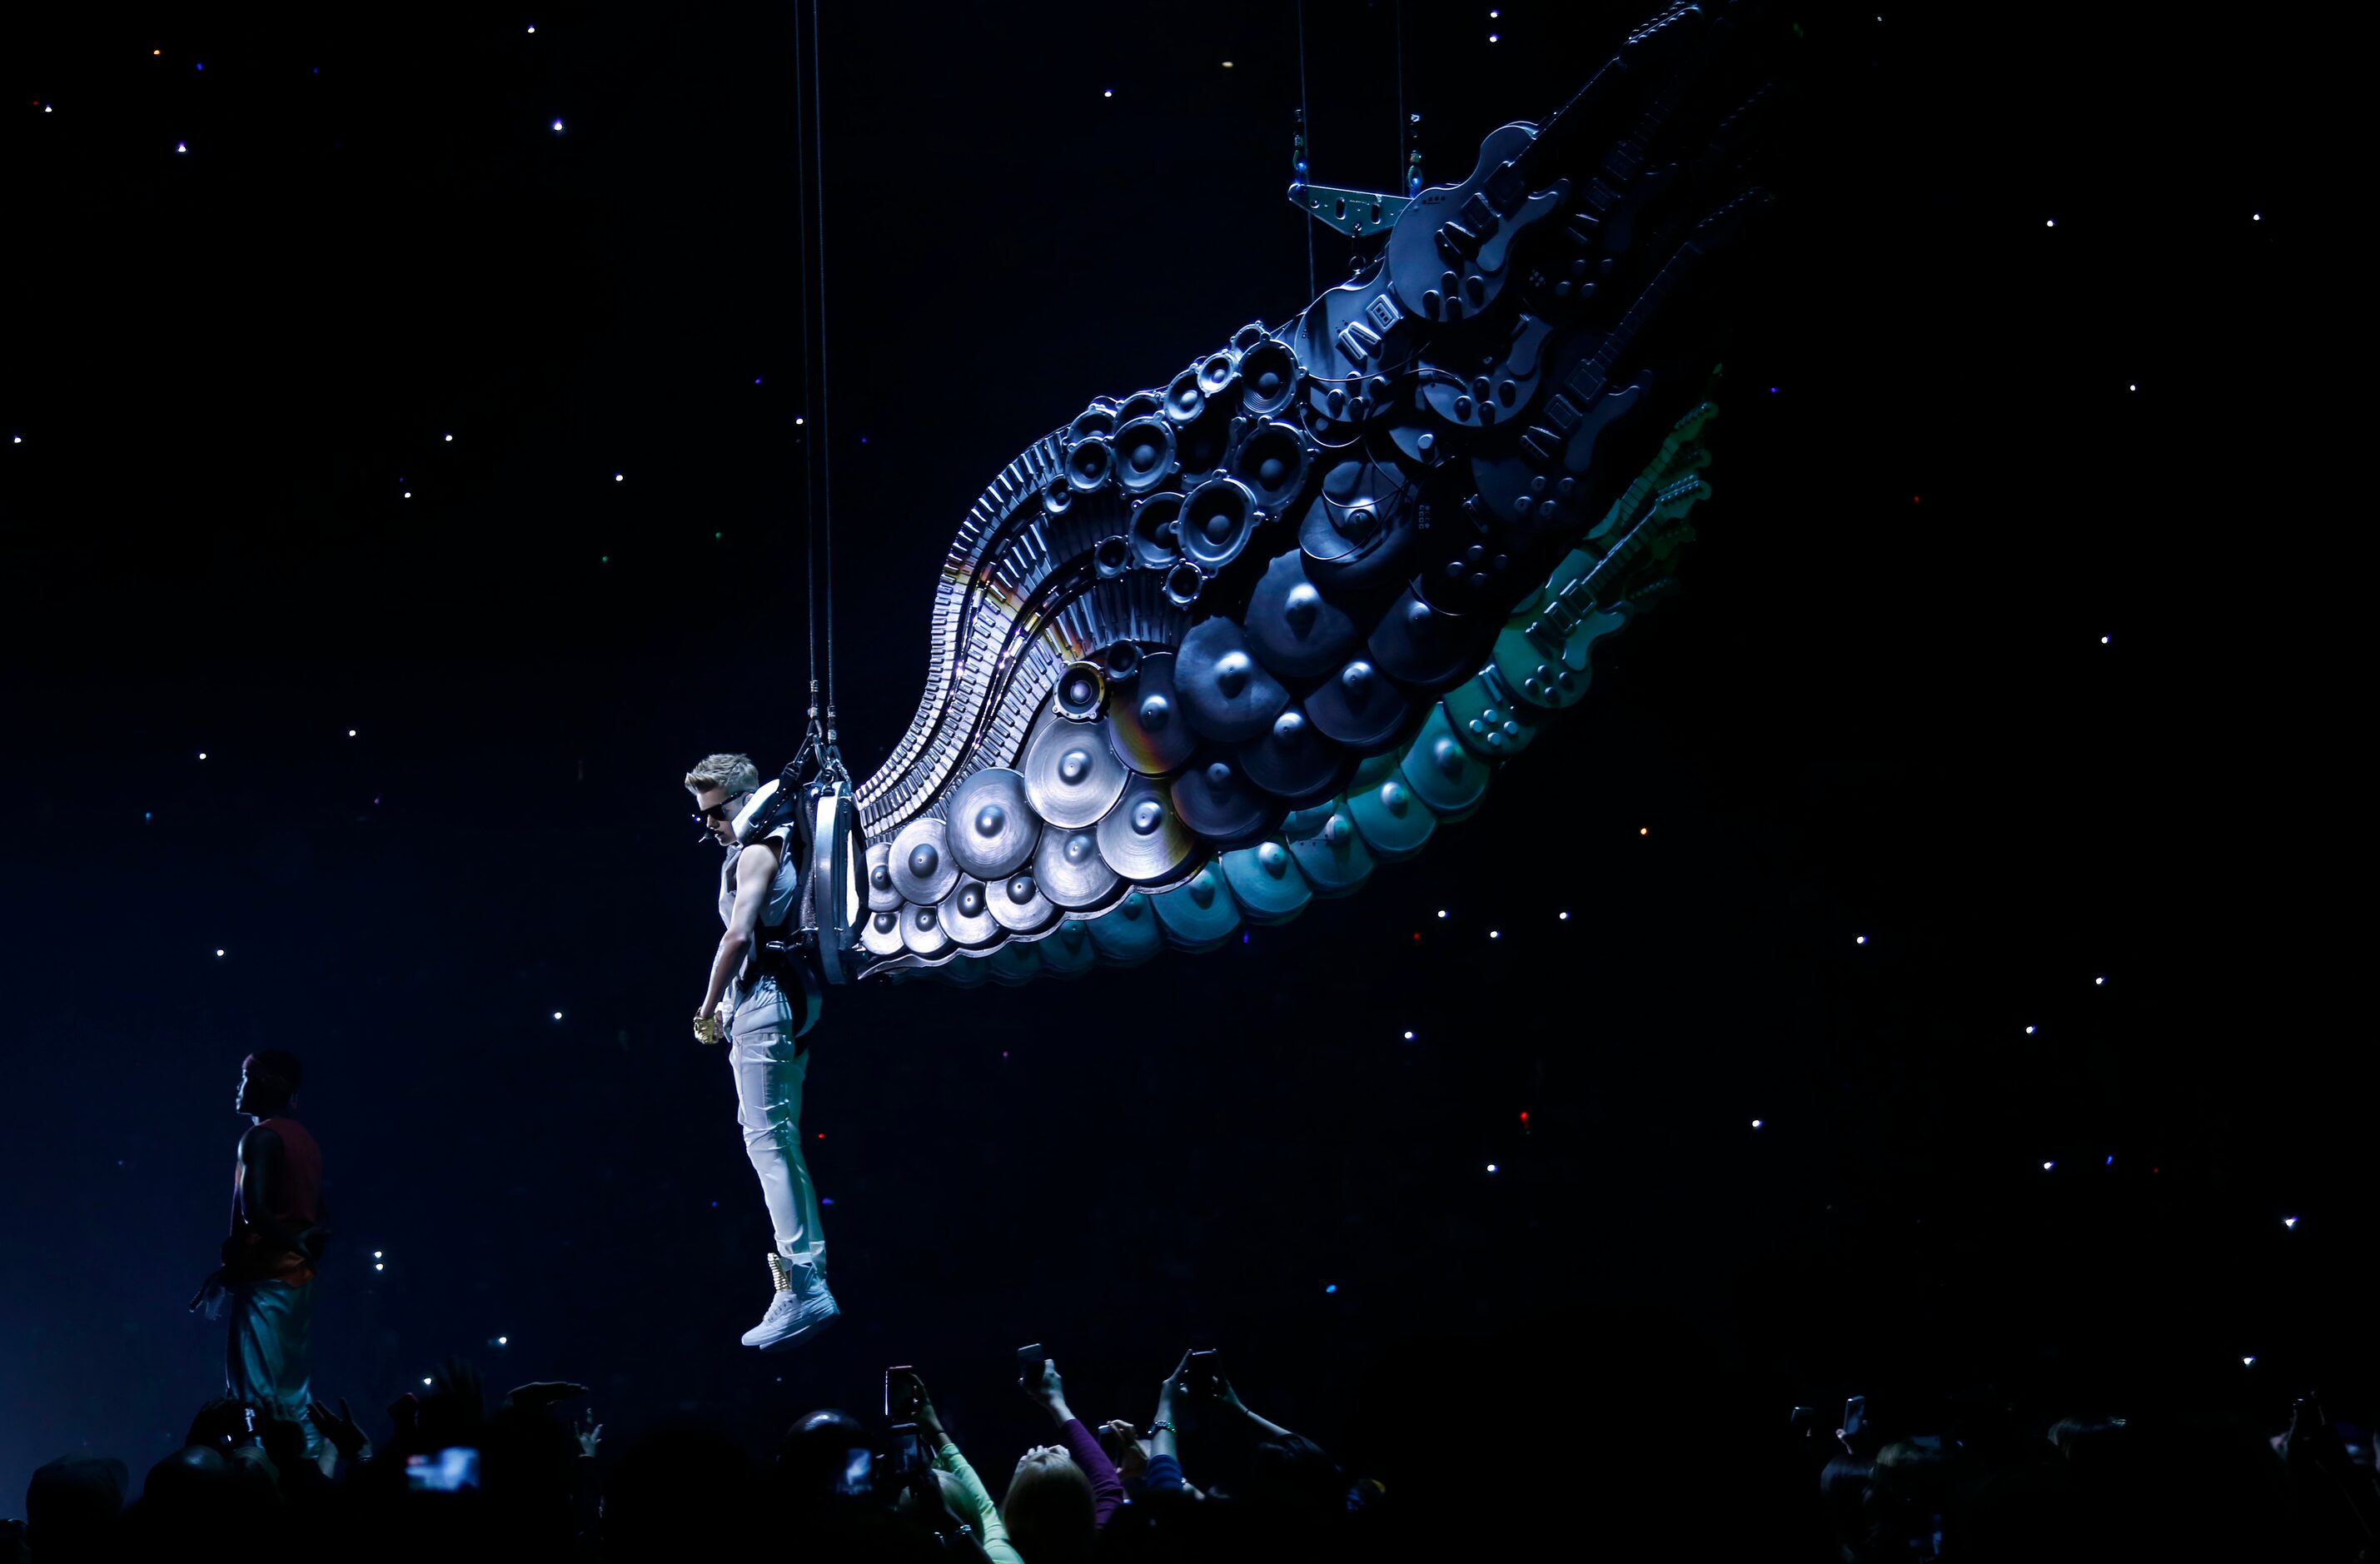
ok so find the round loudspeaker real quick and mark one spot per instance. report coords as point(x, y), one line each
point(1184, 583)
point(1217, 517)
point(1268, 376)
point(1183, 400)
point(1156, 530)
point(1272, 460)
point(1090, 463)
point(1097, 418)
point(1140, 405)
point(1143, 454)
point(1082, 692)
point(1215, 373)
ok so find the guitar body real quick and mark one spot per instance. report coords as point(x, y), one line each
point(1450, 275)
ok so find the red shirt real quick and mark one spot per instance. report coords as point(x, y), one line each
point(294, 1201)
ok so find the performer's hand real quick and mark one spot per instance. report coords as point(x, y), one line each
point(340, 1428)
point(706, 1028)
point(590, 1435)
point(209, 1298)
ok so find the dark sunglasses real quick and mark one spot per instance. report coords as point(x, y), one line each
point(719, 811)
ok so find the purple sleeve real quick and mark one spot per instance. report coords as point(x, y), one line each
point(1107, 1488)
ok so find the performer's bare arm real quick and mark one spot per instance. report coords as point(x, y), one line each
point(259, 1165)
point(756, 871)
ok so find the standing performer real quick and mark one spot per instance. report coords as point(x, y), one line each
point(266, 1281)
point(757, 982)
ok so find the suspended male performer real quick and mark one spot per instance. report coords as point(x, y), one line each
point(756, 988)
point(266, 1282)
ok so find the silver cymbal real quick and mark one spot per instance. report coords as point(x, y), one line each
point(1017, 905)
point(992, 826)
point(923, 869)
point(1226, 692)
point(883, 896)
point(1215, 798)
point(922, 932)
point(1292, 629)
point(1071, 775)
point(1294, 760)
point(880, 933)
point(1070, 871)
point(1359, 707)
point(1429, 648)
point(1142, 838)
point(967, 913)
point(1145, 720)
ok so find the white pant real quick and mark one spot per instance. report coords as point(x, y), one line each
point(769, 1107)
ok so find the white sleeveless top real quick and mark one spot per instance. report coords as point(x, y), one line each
point(782, 895)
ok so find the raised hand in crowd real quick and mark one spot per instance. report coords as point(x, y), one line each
point(1125, 1447)
point(346, 1435)
point(589, 1434)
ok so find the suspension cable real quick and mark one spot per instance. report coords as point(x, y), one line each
point(809, 475)
point(826, 456)
point(1306, 131)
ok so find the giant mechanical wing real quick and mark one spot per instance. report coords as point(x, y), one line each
point(1218, 648)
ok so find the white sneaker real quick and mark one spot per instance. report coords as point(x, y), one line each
point(795, 1314)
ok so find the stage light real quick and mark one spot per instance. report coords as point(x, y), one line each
point(2247, 1362)
point(1755, 1124)
point(1442, 912)
point(2103, 640)
point(557, 1015)
point(1491, 38)
point(1493, 934)
point(2046, 1166)
point(2028, 1031)
point(1565, 917)
point(1409, 1037)
point(1333, 1287)
point(218, 949)
point(178, 146)
point(503, 1340)
point(202, 754)
point(2289, 1222)
point(351, 732)
point(378, 1266)
point(617, 477)
point(1109, 93)
point(797, 420)
point(532, 28)
point(450, 439)
point(408, 493)
point(1644, 830)
point(557, 128)
point(2098, 982)
point(425, 1379)
point(376, 1253)
point(1861, 940)
point(2255, 217)
point(2053, 223)
point(1227, 65)
point(1491, 1167)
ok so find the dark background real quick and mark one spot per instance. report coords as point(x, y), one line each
point(1883, 706)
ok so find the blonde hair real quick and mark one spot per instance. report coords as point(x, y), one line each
point(735, 772)
point(1049, 1512)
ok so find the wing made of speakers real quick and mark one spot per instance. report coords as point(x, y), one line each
point(1219, 648)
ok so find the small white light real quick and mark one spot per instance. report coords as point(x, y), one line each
point(1565, 917)
point(557, 1015)
point(450, 440)
point(1227, 65)
point(378, 1266)
point(408, 493)
point(2046, 1166)
point(425, 1379)
point(2103, 640)
point(2099, 982)
point(503, 1340)
point(351, 732)
point(1409, 1037)
point(1494, 934)
point(376, 1254)
point(797, 420)
point(532, 27)
point(1442, 912)
point(2289, 1222)
point(218, 949)
point(2134, 386)
point(557, 126)
point(2028, 1031)
point(1491, 1167)
point(2257, 217)
point(2053, 221)
point(617, 477)
point(1861, 940)
point(1491, 38)
point(2247, 1361)
point(1755, 1124)
point(202, 754)
point(1109, 93)
point(181, 146)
